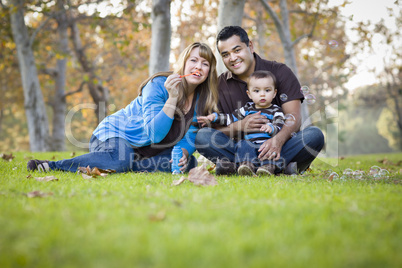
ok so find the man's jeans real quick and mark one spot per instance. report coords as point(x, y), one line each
point(247, 151)
point(302, 148)
point(118, 154)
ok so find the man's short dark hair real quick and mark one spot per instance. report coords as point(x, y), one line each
point(263, 74)
point(229, 31)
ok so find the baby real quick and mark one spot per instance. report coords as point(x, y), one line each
point(261, 90)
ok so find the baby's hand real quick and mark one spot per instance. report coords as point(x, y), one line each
point(205, 120)
point(266, 128)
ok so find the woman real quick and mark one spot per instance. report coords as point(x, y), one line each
point(141, 136)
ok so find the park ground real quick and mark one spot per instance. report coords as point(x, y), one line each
point(142, 220)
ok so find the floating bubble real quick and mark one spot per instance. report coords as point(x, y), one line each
point(348, 172)
point(283, 97)
point(333, 43)
point(333, 176)
point(290, 120)
point(383, 173)
point(358, 174)
point(374, 170)
point(112, 107)
point(305, 90)
point(310, 99)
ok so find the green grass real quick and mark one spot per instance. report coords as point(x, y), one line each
point(140, 220)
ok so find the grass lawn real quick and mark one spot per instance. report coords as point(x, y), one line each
point(141, 220)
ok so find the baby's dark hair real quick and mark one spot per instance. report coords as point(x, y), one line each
point(263, 74)
point(229, 31)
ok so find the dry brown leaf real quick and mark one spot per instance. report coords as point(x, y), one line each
point(179, 181)
point(7, 157)
point(201, 176)
point(29, 176)
point(38, 194)
point(211, 168)
point(160, 216)
point(47, 178)
point(88, 173)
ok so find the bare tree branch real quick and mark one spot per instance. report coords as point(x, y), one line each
point(276, 19)
point(80, 88)
point(37, 30)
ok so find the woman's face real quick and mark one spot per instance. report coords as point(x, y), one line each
point(196, 64)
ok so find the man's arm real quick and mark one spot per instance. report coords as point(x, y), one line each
point(251, 123)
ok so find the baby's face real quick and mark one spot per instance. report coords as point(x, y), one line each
point(262, 91)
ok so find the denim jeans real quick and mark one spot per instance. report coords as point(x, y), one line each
point(302, 148)
point(117, 154)
point(247, 151)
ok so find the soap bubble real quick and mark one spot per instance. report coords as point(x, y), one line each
point(333, 43)
point(333, 176)
point(348, 172)
point(383, 173)
point(290, 120)
point(283, 97)
point(305, 90)
point(112, 107)
point(358, 174)
point(310, 99)
point(374, 170)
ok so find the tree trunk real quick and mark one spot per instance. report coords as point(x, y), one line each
point(59, 100)
point(282, 27)
point(38, 126)
point(161, 33)
point(230, 12)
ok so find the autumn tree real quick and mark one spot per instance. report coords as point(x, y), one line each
point(161, 33)
point(38, 125)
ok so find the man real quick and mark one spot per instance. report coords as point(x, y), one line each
point(297, 148)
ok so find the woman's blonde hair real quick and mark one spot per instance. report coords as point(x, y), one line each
point(208, 90)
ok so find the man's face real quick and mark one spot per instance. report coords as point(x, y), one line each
point(237, 56)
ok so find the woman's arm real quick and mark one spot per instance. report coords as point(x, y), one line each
point(157, 109)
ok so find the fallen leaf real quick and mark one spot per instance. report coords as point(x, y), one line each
point(7, 157)
point(38, 194)
point(179, 181)
point(160, 216)
point(211, 168)
point(47, 178)
point(88, 173)
point(201, 176)
point(29, 176)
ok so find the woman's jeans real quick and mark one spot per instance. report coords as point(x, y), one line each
point(119, 155)
point(302, 148)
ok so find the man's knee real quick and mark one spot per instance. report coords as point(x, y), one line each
point(314, 137)
point(203, 137)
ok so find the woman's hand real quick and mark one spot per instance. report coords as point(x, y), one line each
point(183, 163)
point(172, 85)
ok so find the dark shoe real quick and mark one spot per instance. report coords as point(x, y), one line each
point(266, 170)
point(246, 169)
point(225, 167)
point(39, 165)
point(291, 169)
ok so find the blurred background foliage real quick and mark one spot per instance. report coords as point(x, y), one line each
point(363, 120)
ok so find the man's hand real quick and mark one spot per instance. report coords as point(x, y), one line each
point(270, 149)
point(253, 122)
